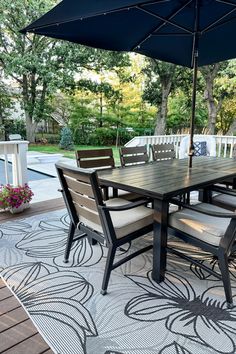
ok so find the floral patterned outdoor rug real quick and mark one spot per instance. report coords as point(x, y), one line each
point(185, 314)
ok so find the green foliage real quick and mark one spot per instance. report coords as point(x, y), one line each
point(41, 65)
point(158, 74)
point(103, 136)
point(180, 113)
point(66, 141)
point(16, 126)
point(47, 138)
point(5, 102)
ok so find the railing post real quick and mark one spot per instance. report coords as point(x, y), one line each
point(18, 150)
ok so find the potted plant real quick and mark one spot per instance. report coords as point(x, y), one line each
point(15, 199)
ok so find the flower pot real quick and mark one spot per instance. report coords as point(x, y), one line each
point(21, 208)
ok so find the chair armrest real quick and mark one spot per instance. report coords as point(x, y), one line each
point(223, 190)
point(206, 212)
point(126, 206)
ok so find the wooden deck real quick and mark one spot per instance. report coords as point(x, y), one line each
point(34, 209)
point(18, 334)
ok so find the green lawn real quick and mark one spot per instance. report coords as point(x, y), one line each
point(54, 149)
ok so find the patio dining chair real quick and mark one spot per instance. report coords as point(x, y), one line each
point(101, 159)
point(163, 152)
point(223, 197)
point(210, 228)
point(229, 182)
point(112, 223)
point(133, 155)
point(95, 158)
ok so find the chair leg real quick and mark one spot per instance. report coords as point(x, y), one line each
point(70, 237)
point(108, 269)
point(92, 241)
point(224, 267)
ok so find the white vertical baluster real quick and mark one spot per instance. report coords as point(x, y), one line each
point(15, 167)
point(6, 164)
point(231, 149)
point(220, 145)
point(225, 146)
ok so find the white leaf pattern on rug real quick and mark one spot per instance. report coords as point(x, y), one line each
point(185, 314)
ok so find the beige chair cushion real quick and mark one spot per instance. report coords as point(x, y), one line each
point(204, 227)
point(226, 199)
point(126, 221)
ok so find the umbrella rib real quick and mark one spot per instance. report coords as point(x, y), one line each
point(228, 2)
point(172, 34)
point(165, 20)
point(216, 23)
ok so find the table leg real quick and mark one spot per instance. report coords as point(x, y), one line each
point(234, 183)
point(161, 208)
point(204, 195)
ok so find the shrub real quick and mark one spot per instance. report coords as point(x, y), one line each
point(66, 141)
point(15, 126)
point(103, 136)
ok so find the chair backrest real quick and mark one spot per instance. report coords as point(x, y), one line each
point(163, 152)
point(133, 155)
point(82, 195)
point(210, 145)
point(95, 158)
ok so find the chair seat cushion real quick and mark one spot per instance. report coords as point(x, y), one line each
point(204, 227)
point(125, 221)
point(226, 199)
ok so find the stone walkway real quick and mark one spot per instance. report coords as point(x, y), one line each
point(45, 189)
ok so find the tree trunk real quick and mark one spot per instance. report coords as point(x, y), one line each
point(212, 114)
point(160, 128)
point(101, 110)
point(232, 128)
point(209, 74)
point(30, 128)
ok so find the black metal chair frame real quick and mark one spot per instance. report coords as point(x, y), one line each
point(226, 246)
point(109, 237)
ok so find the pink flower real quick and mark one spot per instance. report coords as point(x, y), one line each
point(14, 197)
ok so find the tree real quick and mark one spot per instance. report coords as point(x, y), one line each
point(5, 101)
point(39, 65)
point(160, 78)
point(213, 95)
point(102, 90)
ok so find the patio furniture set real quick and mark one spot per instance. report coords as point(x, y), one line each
point(118, 217)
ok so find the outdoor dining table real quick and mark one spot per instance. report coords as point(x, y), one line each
point(162, 181)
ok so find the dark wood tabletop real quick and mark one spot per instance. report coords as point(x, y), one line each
point(162, 181)
point(166, 179)
point(213, 163)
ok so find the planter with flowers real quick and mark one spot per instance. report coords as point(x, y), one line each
point(15, 199)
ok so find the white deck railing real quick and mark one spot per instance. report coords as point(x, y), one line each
point(224, 144)
point(16, 153)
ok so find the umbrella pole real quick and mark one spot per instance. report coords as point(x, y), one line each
point(195, 70)
point(191, 146)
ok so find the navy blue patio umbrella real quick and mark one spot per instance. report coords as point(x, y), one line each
point(190, 33)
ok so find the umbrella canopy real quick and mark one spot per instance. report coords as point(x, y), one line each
point(190, 33)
